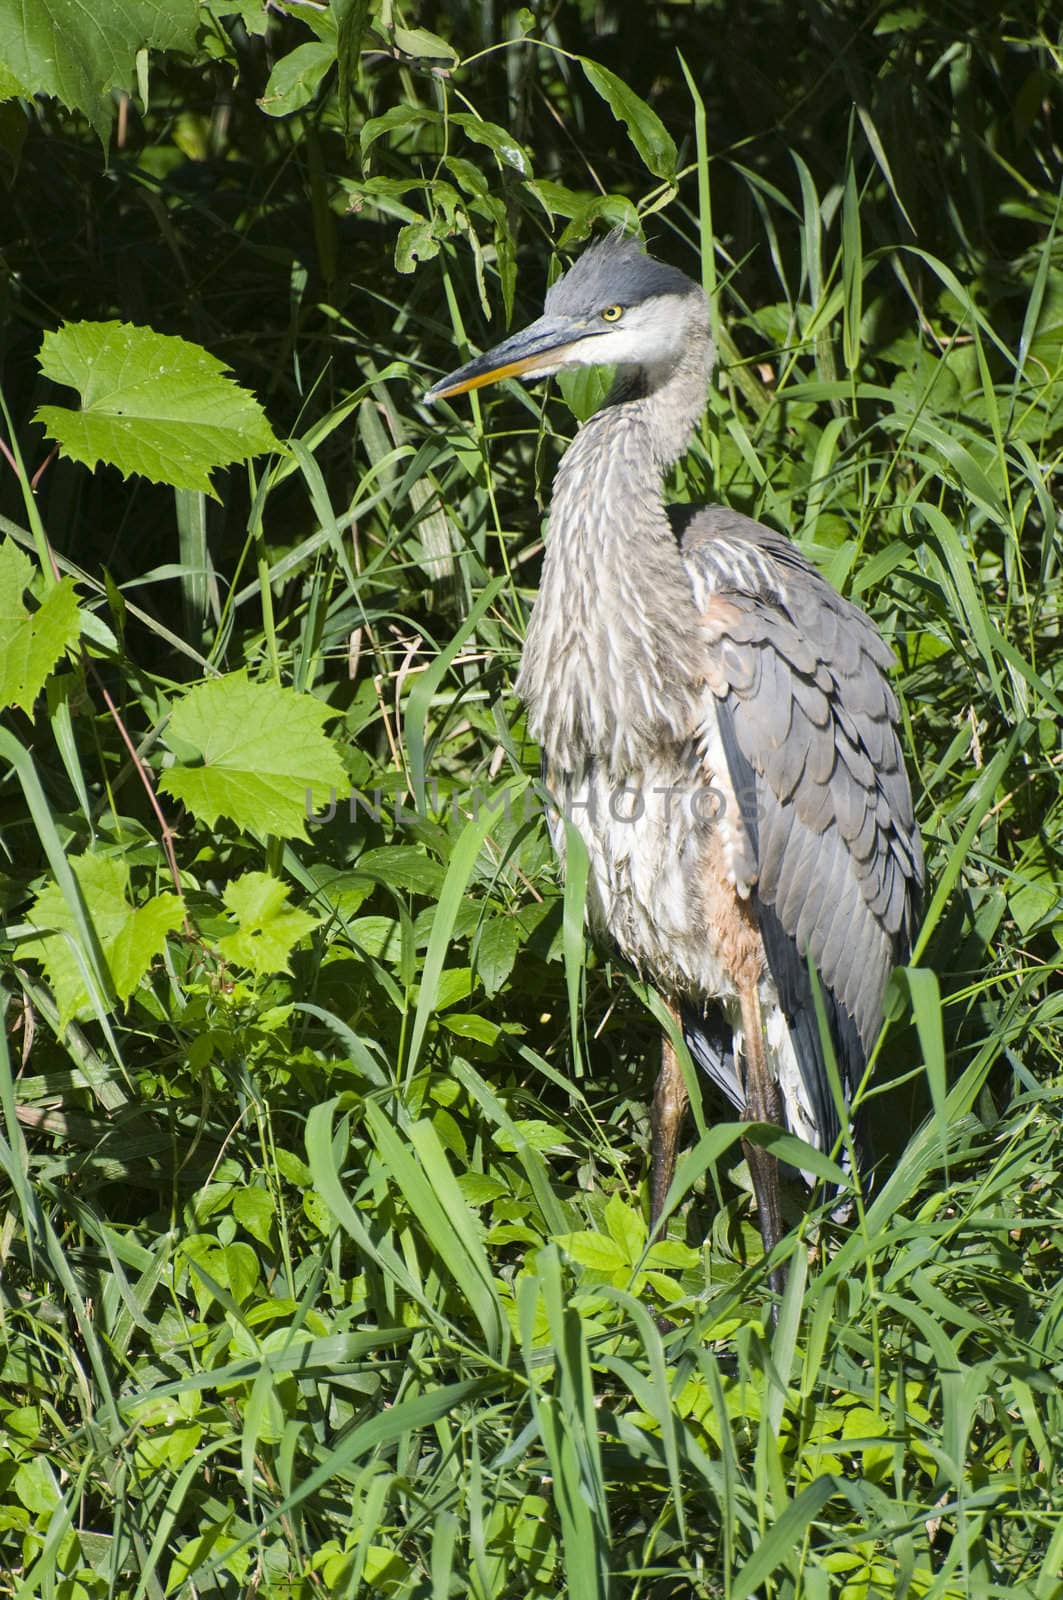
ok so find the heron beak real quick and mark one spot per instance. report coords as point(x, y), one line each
point(540, 348)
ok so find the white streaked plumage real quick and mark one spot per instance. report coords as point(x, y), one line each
point(677, 649)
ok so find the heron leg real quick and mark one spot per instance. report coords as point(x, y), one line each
point(669, 1104)
point(762, 1105)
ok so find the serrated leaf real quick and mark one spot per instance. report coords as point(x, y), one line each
point(402, 866)
point(131, 937)
point(151, 404)
point(80, 53)
point(626, 1227)
point(31, 642)
point(496, 951)
point(534, 1131)
point(479, 1190)
point(596, 1251)
point(263, 748)
point(377, 936)
point(267, 928)
point(645, 129)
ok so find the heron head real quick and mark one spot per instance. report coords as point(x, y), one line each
point(616, 306)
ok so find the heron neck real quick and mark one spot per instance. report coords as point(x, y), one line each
point(610, 665)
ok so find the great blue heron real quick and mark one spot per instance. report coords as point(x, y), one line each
point(678, 650)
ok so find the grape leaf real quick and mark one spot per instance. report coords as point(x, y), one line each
point(264, 755)
point(266, 927)
point(131, 937)
point(80, 53)
point(151, 404)
point(31, 642)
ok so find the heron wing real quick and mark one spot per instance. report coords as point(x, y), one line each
point(808, 723)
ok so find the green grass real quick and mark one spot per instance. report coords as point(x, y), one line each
point(330, 1276)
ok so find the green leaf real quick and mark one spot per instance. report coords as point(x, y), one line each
point(151, 404)
point(395, 118)
point(31, 642)
point(596, 1251)
point(534, 1131)
point(454, 984)
point(80, 53)
point(421, 45)
point(646, 130)
point(496, 951)
point(240, 1272)
point(131, 937)
point(402, 866)
point(505, 147)
point(416, 243)
point(626, 1227)
point(35, 1487)
point(268, 930)
point(263, 751)
point(672, 1253)
point(296, 78)
point(1038, 890)
point(377, 936)
point(467, 1025)
point(216, 1545)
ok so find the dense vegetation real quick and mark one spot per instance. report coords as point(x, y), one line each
point(323, 1247)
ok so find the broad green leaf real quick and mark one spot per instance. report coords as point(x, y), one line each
point(626, 1226)
point(151, 404)
point(646, 130)
point(495, 951)
point(421, 45)
point(81, 53)
point(240, 1272)
point(131, 937)
point(416, 242)
point(395, 118)
point(596, 1251)
point(263, 750)
point(296, 78)
point(267, 928)
point(505, 147)
point(35, 1487)
point(402, 866)
point(216, 1545)
point(534, 1131)
point(31, 642)
point(377, 936)
point(1038, 890)
point(467, 1025)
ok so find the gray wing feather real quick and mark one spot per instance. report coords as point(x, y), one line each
point(799, 675)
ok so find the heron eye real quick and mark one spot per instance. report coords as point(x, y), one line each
point(612, 313)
